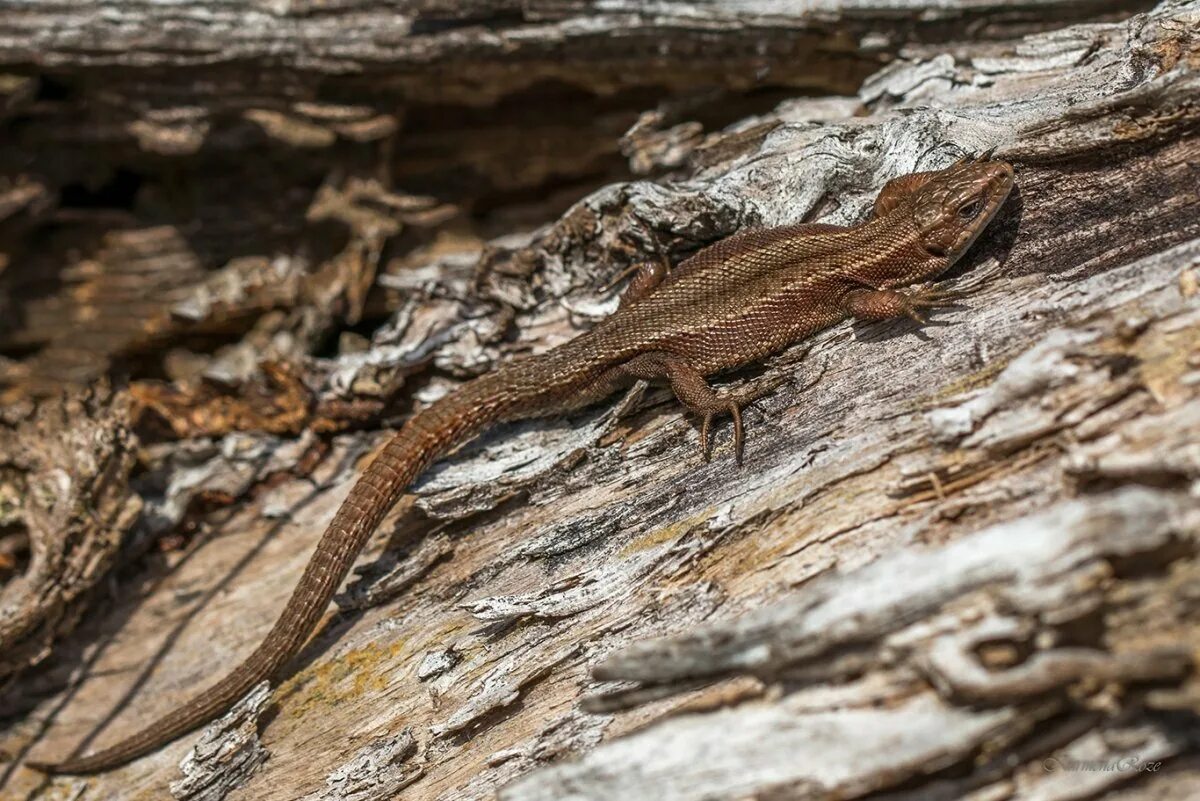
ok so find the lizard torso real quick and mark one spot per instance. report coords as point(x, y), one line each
point(733, 303)
point(746, 297)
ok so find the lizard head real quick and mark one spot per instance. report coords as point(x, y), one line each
point(953, 207)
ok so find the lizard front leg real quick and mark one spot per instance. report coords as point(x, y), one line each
point(887, 304)
point(693, 392)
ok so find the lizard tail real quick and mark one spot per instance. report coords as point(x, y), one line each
point(426, 436)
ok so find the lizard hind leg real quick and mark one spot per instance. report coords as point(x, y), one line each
point(693, 392)
point(646, 278)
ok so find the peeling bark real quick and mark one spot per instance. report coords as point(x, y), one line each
point(227, 753)
point(958, 560)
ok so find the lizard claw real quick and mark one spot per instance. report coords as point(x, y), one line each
point(932, 302)
point(621, 276)
point(739, 433)
point(704, 439)
point(930, 299)
point(739, 438)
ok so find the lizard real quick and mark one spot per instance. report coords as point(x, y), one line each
point(733, 303)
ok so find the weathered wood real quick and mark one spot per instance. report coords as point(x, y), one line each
point(227, 754)
point(513, 43)
point(161, 153)
point(957, 560)
point(64, 479)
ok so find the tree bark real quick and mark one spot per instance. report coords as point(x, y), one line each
point(959, 561)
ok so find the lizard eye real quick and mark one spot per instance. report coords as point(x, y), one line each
point(970, 209)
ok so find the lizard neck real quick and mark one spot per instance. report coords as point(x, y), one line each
point(890, 254)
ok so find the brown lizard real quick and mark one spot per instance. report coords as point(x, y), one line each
point(731, 304)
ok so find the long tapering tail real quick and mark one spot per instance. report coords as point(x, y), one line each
point(426, 436)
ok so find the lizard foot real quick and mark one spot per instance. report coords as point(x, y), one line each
point(929, 298)
point(887, 304)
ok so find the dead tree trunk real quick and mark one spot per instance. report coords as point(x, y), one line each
point(960, 560)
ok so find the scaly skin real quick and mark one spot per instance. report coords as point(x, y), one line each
point(742, 299)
